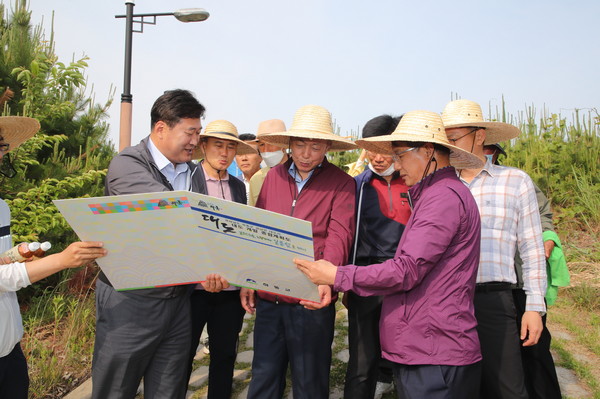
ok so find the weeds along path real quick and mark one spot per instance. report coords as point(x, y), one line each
point(571, 355)
point(574, 321)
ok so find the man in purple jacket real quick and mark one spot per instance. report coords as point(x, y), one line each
point(306, 187)
point(381, 215)
point(428, 326)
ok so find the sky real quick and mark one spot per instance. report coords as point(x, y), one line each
point(257, 60)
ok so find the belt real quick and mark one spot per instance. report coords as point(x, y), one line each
point(493, 286)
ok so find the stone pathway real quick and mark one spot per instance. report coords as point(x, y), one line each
point(570, 385)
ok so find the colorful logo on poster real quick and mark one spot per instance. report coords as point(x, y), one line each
point(137, 206)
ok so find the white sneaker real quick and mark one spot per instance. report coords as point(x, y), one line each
point(383, 388)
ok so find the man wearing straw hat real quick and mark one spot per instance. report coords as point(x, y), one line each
point(146, 333)
point(381, 215)
point(428, 326)
point(271, 154)
point(307, 187)
point(220, 312)
point(14, 381)
point(510, 220)
point(541, 379)
point(249, 164)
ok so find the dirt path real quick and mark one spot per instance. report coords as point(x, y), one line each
point(571, 385)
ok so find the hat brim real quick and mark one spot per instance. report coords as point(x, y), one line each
point(282, 139)
point(459, 158)
point(500, 148)
point(495, 132)
point(260, 138)
point(18, 129)
point(243, 148)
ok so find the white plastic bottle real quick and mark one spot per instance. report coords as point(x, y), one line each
point(41, 251)
point(21, 252)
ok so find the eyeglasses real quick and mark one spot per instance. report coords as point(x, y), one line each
point(397, 157)
point(473, 130)
point(4, 147)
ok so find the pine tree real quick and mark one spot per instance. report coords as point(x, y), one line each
point(69, 156)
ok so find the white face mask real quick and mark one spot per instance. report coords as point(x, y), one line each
point(385, 173)
point(272, 158)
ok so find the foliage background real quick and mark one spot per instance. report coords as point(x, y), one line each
point(66, 159)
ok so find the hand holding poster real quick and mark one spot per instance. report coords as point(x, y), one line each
point(178, 237)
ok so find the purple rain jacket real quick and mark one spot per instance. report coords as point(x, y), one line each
point(428, 316)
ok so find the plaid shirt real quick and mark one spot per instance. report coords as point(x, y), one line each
point(510, 219)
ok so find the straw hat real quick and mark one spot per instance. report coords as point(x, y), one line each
point(465, 113)
point(224, 130)
point(311, 122)
point(422, 126)
point(17, 129)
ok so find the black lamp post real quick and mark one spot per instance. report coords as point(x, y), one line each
point(183, 15)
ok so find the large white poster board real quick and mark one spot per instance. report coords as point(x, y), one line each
point(178, 237)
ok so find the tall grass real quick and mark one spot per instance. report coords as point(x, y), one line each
point(561, 154)
point(58, 343)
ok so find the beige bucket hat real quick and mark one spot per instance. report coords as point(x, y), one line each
point(311, 122)
point(422, 126)
point(466, 113)
point(225, 130)
point(270, 126)
point(17, 129)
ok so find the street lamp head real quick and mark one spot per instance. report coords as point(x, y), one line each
point(183, 15)
point(191, 14)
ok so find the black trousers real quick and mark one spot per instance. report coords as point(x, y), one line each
point(364, 363)
point(502, 370)
point(541, 380)
point(14, 381)
point(223, 315)
point(437, 382)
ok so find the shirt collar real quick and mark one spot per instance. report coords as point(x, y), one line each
point(161, 161)
point(296, 176)
point(488, 168)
